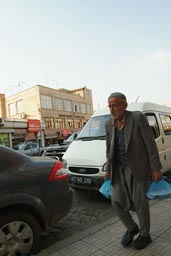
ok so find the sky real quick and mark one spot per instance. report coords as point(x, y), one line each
point(105, 45)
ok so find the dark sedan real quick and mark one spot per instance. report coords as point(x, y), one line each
point(34, 194)
point(58, 151)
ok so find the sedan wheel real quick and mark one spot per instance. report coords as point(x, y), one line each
point(20, 234)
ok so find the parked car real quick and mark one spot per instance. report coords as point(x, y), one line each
point(34, 194)
point(58, 151)
point(30, 148)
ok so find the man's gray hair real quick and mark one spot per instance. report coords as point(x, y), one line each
point(118, 95)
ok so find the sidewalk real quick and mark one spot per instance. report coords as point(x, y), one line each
point(104, 238)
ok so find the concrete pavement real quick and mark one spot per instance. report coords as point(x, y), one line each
point(104, 238)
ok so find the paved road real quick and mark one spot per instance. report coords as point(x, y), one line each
point(89, 207)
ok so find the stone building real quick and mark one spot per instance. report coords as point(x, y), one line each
point(59, 111)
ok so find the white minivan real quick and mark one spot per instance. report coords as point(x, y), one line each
point(85, 159)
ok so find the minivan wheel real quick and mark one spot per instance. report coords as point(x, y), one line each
point(20, 234)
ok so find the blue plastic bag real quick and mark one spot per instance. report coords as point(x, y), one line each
point(106, 188)
point(160, 189)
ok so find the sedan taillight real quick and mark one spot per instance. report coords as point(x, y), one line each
point(58, 172)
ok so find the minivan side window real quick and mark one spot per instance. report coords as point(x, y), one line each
point(166, 123)
point(152, 120)
point(34, 145)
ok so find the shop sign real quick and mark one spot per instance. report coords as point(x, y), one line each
point(65, 132)
point(33, 125)
point(30, 136)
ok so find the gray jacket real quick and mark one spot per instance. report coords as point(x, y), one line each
point(141, 149)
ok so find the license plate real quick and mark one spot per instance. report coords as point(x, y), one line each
point(81, 180)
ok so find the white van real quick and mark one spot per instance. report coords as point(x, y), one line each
point(85, 159)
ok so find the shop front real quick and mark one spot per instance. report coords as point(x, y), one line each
point(15, 131)
point(6, 137)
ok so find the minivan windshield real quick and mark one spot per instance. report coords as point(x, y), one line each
point(72, 137)
point(94, 128)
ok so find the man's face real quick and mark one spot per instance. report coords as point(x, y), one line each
point(117, 107)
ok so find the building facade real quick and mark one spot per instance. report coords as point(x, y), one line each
point(60, 112)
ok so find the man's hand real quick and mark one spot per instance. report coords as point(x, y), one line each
point(156, 175)
point(107, 175)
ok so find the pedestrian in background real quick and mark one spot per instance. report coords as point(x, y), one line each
point(132, 159)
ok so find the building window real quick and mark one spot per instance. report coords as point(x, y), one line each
point(59, 123)
point(20, 107)
point(69, 123)
point(86, 94)
point(49, 122)
point(58, 104)
point(46, 101)
point(67, 105)
point(83, 108)
point(12, 109)
point(77, 124)
point(76, 107)
point(88, 109)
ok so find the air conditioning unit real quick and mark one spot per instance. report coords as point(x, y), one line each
point(1, 121)
point(23, 115)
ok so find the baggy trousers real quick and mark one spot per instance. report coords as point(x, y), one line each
point(127, 195)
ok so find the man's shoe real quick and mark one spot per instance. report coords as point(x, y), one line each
point(141, 242)
point(128, 236)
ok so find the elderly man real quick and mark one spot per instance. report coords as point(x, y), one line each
point(132, 159)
